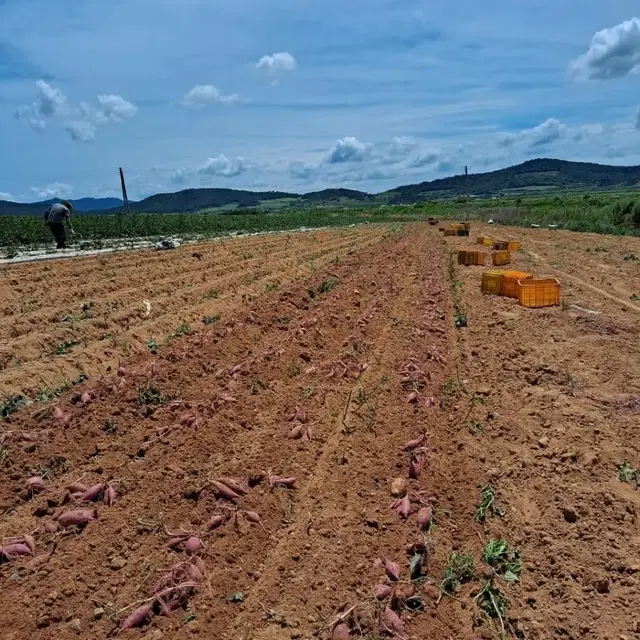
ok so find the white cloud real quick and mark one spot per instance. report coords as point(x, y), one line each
point(587, 131)
point(545, 133)
point(216, 166)
point(81, 130)
point(5, 196)
point(83, 119)
point(614, 52)
point(53, 190)
point(49, 100)
point(223, 166)
point(399, 148)
point(37, 124)
point(116, 107)
point(305, 171)
point(206, 94)
point(348, 149)
point(282, 61)
point(426, 157)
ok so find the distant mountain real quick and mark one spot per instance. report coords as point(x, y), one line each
point(539, 174)
point(95, 204)
point(81, 204)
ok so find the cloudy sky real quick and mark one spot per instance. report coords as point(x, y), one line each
point(303, 95)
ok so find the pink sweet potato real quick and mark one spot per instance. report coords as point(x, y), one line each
point(193, 545)
point(341, 632)
point(402, 507)
point(79, 518)
point(234, 485)
point(392, 622)
point(176, 542)
point(15, 550)
point(279, 481)
point(392, 569)
point(30, 542)
point(35, 484)
point(51, 527)
point(424, 517)
point(412, 398)
point(109, 497)
point(415, 443)
point(417, 464)
point(252, 516)
point(137, 617)
point(76, 487)
point(216, 521)
point(94, 492)
point(223, 491)
point(382, 591)
point(86, 397)
point(189, 420)
point(297, 432)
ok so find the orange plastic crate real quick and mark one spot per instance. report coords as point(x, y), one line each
point(509, 283)
point(480, 239)
point(514, 246)
point(539, 293)
point(467, 257)
point(450, 232)
point(501, 257)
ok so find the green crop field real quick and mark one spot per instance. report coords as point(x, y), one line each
point(611, 212)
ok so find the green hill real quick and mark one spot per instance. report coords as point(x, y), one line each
point(533, 175)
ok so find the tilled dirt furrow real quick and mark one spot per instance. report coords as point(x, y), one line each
point(233, 421)
point(102, 353)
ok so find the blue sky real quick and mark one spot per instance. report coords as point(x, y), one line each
point(301, 95)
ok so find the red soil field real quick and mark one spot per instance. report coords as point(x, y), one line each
point(348, 337)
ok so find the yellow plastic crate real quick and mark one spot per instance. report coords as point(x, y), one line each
point(491, 281)
point(509, 283)
point(488, 242)
point(480, 239)
point(514, 246)
point(501, 257)
point(450, 232)
point(534, 293)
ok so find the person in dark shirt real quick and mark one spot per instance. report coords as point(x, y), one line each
point(57, 216)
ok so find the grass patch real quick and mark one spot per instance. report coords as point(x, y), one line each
point(183, 329)
point(626, 473)
point(493, 603)
point(152, 345)
point(65, 347)
point(460, 570)
point(151, 396)
point(488, 504)
point(11, 405)
point(49, 393)
point(211, 295)
point(271, 286)
point(213, 319)
point(503, 559)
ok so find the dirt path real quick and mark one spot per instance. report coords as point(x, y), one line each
point(558, 420)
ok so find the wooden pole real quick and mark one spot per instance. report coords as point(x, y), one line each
point(125, 199)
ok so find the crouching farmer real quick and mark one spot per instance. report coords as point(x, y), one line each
point(57, 217)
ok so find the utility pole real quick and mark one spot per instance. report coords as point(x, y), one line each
point(125, 199)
